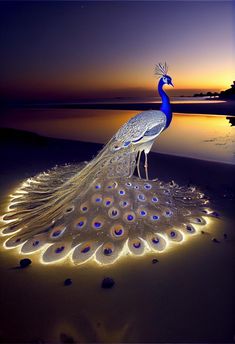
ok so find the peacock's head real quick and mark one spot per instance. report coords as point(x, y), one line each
point(161, 70)
point(167, 80)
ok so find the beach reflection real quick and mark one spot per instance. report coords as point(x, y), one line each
point(206, 137)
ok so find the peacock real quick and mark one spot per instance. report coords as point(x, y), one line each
point(99, 210)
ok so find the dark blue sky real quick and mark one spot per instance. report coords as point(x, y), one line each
point(70, 49)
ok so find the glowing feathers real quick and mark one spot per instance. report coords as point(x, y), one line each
point(111, 218)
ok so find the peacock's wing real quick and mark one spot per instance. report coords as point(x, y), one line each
point(108, 219)
point(141, 124)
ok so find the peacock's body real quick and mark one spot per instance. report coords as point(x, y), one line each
point(100, 210)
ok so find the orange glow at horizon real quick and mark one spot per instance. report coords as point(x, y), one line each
point(194, 78)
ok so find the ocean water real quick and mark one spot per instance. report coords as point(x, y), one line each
point(137, 100)
point(207, 137)
point(145, 100)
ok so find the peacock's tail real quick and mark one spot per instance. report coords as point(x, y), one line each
point(100, 211)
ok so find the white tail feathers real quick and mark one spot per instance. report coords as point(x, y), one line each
point(104, 220)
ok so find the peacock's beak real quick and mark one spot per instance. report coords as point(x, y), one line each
point(170, 83)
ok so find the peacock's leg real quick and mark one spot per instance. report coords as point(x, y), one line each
point(146, 165)
point(138, 164)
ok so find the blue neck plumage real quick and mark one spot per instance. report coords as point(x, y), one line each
point(166, 106)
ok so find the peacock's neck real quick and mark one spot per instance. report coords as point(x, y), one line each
point(166, 106)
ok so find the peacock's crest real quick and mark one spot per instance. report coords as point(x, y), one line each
point(161, 69)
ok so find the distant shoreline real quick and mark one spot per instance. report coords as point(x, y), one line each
point(217, 108)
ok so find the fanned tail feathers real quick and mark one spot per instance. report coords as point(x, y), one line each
point(102, 219)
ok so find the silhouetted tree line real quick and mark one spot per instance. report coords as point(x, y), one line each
point(227, 94)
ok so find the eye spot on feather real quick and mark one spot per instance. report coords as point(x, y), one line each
point(97, 223)
point(114, 213)
point(128, 184)
point(84, 208)
point(80, 223)
point(108, 201)
point(174, 235)
point(190, 229)
point(147, 186)
point(124, 204)
point(204, 211)
point(155, 240)
point(57, 232)
point(85, 248)
point(108, 249)
point(141, 198)
point(59, 249)
point(97, 199)
point(136, 187)
point(154, 217)
point(117, 231)
point(36, 243)
point(97, 186)
point(137, 244)
point(69, 209)
point(121, 192)
point(198, 220)
point(154, 199)
point(129, 217)
point(142, 213)
point(168, 213)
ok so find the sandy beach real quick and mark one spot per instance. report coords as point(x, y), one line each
point(188, 296)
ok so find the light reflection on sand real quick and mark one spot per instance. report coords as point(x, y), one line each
point(206, 137)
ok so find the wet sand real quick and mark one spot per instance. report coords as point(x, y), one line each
point(188, 296)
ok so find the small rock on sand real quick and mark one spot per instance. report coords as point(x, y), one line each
point(25, 262)
point(155, 260)
point(68, 281)
point(107, 282)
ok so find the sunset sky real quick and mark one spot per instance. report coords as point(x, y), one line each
point(66, 50)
